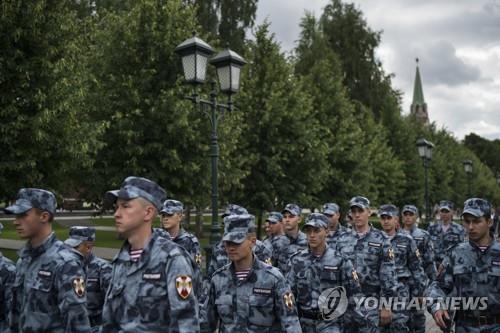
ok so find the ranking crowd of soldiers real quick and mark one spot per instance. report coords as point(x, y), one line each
point(155, 284)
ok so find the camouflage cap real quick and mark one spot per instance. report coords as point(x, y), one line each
point(477, 207)
point(135, 187)
point(388, 210)
point(316, 220)
point(360, 202)
point(330, 208)
point(274, 217)
point(233, 209)
point(28, 198)
point(292, 208)
point(446, 204)
point(171, 207)
point(237, 227)
point(79, 234)
point(411, 209)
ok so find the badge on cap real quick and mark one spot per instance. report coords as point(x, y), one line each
point(79, 286)
point(184, 286)
point(288, 299)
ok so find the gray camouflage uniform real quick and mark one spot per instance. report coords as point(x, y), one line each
point(416, 323)
point(412, 280)
point(310, 275)
point(97, 271)
point(468, 271)
point(373, 259)
point(156, 292)
point(262, 302)
point(7, 276)
point(49, 293)
point(441, 240)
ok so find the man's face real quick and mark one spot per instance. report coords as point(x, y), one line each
point(360, 216)
point(316, 237)
point(237, 252)
point(476, 227)
point(170, 221)
point(388, 223)
point(333, 220)
point(290, 222)
point(28, 224)
point(275, 228)
point(409, 218)
point(446, 215)
point(129, 216)
point(85, 248)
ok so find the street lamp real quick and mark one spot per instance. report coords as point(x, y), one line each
point(425, 152)
point(195, 55)
point(468, 170)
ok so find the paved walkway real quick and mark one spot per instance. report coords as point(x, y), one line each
point(103, 252)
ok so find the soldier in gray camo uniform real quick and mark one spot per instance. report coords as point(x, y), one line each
point(7, 276)
point(219, 256)
point(373, 257)
point(315, 270)
point(151, 287)
point(445, 233)
point(471, 269)
point(97, 271)
point(416, 323)
point(277, 240)
point(412, 280)
point(249, 295)
point(49, 292)
point(335, 229)
point(172, 214)
point(297, 240)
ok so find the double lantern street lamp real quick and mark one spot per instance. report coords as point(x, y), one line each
point(195, 55)
point(468, 170)
point(425, 152)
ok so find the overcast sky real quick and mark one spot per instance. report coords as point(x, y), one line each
point(457, 42)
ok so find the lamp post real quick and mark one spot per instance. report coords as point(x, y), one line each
point(425, 152)
point(195, 55)
point(468, 170)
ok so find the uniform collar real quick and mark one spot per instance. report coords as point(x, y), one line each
point(30, 251)
point(252, 276)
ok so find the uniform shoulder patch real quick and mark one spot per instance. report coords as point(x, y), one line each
point(79, 286)
point(184, 286)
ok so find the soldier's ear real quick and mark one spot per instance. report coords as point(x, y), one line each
point(44, 217)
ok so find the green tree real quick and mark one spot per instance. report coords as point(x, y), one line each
point(45, 132)
point(281, 138)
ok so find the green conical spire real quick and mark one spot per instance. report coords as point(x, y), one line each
point(418, 92)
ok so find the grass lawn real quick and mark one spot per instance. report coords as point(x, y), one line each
point(11, 254)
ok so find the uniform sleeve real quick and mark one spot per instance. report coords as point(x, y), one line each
point(183, 306)
point(7, 281)
point(105, 276)
point(108, 323)
point(291, 278)
point(350, 281)
point(442, 286)
point(285, 307)
point(418, 277)
point(72, 298)
point(428, 259)
point(212, 317)
point(387, 271)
